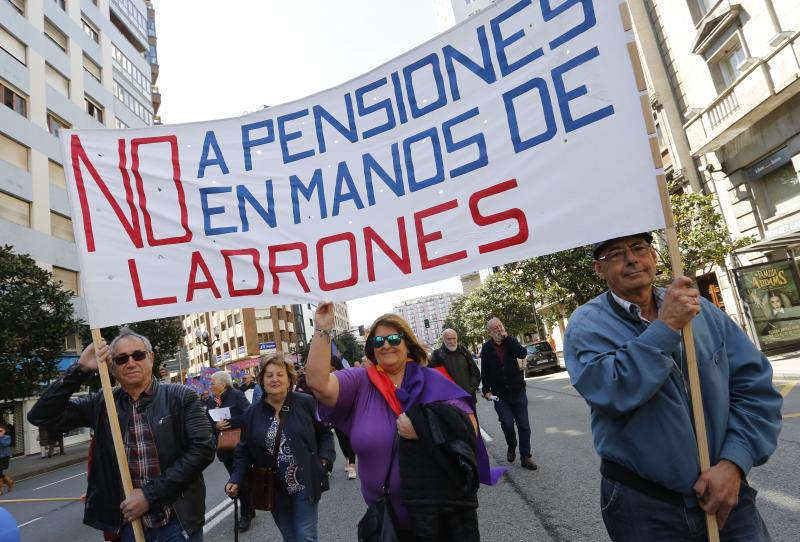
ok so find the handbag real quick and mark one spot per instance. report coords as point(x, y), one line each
point(377, 524)
point(228, 439)
point(262, 479)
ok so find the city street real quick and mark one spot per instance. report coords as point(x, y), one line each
point(559, 502)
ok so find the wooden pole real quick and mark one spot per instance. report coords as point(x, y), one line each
point(637, 11)
point(116, 434)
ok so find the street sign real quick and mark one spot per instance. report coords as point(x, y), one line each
point(267, 347)
point(241, 350)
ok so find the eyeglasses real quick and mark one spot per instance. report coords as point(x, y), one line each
point(122, 359)
point(616, 255)
point(394, 339)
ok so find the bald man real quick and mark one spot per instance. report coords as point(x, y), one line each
point(457, 361)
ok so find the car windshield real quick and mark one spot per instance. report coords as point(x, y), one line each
point(538, 347)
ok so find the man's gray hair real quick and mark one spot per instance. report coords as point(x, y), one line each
point(128, 333)
point(222, 377)
point(490, 320)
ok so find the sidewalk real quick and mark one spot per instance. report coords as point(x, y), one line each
point(786, 366)
point(31, 465)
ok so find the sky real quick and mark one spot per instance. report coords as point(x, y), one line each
point(219, 60)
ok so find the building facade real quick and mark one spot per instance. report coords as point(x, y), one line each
point(725, 91)
point(237, 337)
point(63, 64)
point(426, 315)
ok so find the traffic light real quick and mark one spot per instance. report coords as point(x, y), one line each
point(427, 323)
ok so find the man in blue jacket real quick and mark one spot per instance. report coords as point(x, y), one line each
point(625, 356)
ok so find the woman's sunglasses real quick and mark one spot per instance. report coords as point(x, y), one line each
point(122, 359)
point(394, 339)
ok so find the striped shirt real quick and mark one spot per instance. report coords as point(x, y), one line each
point(140, 448)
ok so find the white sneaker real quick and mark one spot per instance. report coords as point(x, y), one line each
point(351, 472)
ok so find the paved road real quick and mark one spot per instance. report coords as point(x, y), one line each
point(559, 502)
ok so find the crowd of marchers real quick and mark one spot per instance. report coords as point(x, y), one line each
point(406, 423)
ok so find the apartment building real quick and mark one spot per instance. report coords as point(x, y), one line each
point(63, 64)
point(426, 315)
point(237, 337)
point(725, 80)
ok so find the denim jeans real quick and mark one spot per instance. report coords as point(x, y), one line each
point(295, 516)
point(171, 532)
point(515, 410)
point(633, 516)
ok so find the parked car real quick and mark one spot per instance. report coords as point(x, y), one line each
point(540, 358)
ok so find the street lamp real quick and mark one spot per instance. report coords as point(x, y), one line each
point(201, 337)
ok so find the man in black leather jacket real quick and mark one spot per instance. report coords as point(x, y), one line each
point(167, 435)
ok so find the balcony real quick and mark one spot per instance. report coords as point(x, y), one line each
point(759, 90)
point(156, 99)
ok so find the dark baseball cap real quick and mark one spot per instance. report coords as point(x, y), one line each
point(596, 247)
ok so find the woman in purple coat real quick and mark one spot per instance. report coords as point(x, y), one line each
point(370, 405)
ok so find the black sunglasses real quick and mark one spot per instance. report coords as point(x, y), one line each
point(394, 339)
point(122, 359)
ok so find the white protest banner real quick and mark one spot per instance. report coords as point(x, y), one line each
point(517, 133)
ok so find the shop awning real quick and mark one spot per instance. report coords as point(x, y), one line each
point(785, 241)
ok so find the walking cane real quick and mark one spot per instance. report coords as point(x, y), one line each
point(236, 519)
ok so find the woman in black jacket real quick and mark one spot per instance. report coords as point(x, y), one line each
point(305, 454)
point(224, 395)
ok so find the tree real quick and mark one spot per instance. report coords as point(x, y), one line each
point(348, 347)
point(164, 334)
point(703, 236)
point(565, 278)
point(36, 314)
point(501, 295)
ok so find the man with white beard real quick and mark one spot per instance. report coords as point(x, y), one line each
point(457, 361)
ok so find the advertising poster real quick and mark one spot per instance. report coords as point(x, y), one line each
point(771, 294)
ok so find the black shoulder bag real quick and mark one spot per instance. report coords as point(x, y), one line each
point(377, 525)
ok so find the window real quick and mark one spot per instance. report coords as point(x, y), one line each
point(95, 111)
point(12, 46)
point(67, 278)
point(92, 68)
point(15, 210)
point(13, 99)
point(61, 3)
point(782, 189)
point(239, 341)
point(138, 18)
point(56, 80)
point(230, 320)
point(119, 125)
point(132, 103)
point(72, 343)
point(91, 31)
point(55, 35)
point(729, 64)
point(14, 153)
point(19, 5)
point(61, 227)
point(54, 124)
point(56, 174)
point(131, 72)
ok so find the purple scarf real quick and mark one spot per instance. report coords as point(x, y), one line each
point(421, 385)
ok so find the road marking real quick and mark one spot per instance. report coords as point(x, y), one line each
point(59, 481)
point(21, 525)
point(787, 388)
point(227, 509)
point(795, 415)
point(486, 436)
point(216, 509)
point(782, 500)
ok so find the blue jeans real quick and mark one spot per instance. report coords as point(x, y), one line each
point(171, 532)
point(633, 516)
point(295, 516)
point(515, 410)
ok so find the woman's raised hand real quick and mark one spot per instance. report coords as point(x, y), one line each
point(323, 318)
